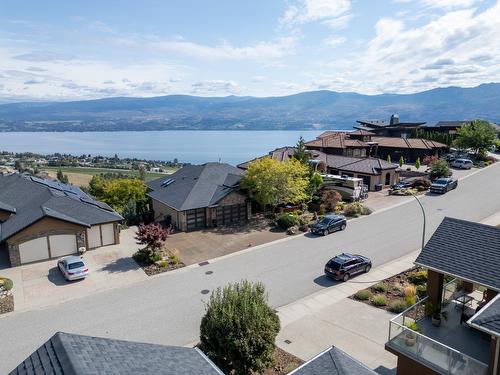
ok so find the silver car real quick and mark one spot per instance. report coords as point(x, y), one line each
point(72, 267)
point(462, 163)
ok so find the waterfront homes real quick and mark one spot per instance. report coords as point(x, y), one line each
point(200, 196)
point(43, 219)
point(393, 128)
point(364, 143)
point(373, 171)
point(456, 328)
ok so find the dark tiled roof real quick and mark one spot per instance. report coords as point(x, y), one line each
point(372, 166)
point(468, 250)
point(196, 186)
point(280, 154)
point(409, 143)
point(450, 124)
point(361, 132)
point(69, 354)
point(34, 198)
point(7, 207)
point(333, 362)
point(331, 139)
point(488, 318)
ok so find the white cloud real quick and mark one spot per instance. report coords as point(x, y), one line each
point(259, 51)
point(332, 12)
point(448, 4)
point(334, 41)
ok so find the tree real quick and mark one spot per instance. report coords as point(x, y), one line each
point(389, 160)
point(153, 236)
point(130, 212)
point(239, 328)
point(439, 169)
point(418, 163)
point(330, 198)
point(142, 173)
point(315, 181)
point(401, 161)
point(479, 136)
point(117, 192)
point(271, 182)
point(301, 153)
point(61, 177)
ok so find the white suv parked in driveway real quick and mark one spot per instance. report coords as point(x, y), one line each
point(462, 163)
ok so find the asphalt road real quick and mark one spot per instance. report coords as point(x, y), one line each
point(167, 309)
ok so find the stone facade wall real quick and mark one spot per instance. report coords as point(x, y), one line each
point(161, 210)
point(6, 302)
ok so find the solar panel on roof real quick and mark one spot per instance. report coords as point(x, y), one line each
point(167, 182)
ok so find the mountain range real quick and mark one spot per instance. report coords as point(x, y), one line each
point(307, 110)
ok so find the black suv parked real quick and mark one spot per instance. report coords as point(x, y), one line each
point(329, 224)
point(343, 266)
point(443, 185)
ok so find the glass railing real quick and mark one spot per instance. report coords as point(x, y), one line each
point(426, 350)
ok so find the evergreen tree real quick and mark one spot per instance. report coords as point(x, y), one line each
point(401, 161)
point(389, 160)
point(418, 163)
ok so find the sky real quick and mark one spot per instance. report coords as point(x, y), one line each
point(73, 50)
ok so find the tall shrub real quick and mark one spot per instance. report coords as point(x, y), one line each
point(239, 328)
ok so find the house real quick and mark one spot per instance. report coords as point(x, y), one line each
point(451, 127)
point(70, 354)
point(43, 219)
point(393, 128)
point(364, 143)
point(200, 196)
point(373, 171)
point(332, 361)
point(468, 340)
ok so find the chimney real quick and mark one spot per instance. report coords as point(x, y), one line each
point(394, 119)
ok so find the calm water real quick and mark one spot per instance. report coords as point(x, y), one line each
point(187, 146)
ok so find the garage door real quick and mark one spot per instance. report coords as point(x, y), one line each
point(235, 213)
point(34, 250)
point(195, 219)
point(62, 244)
point(94, 237)
point(108, 234)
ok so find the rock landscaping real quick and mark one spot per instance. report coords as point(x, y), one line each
point(162, 261)
point(397, 292)
point(6, 296)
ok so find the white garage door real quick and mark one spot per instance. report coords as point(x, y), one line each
point(31, 251)
point(62, 244)
point(108, 234)
point(94, 237)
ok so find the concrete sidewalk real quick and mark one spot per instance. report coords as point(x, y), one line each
point(310, 325)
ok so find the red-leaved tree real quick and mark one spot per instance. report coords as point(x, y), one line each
point(153, 236)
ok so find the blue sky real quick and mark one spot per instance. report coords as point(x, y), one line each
point(66, 50)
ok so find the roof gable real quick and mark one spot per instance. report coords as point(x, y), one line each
point(468, 250)
point(196, 186)
point(488, 318)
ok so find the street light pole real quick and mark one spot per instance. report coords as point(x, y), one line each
point(423, 213)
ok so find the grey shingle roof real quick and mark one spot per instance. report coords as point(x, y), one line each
point(372, 166)
point(468, 250)
point(35, 198)
point(196, 186)
point(488, 318)
point(66, 353)
point(333, 362)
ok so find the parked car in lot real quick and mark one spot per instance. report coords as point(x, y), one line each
point(329, 224)
point(343, 266)
point(443, 185)
point(462, 163)
point(72, 267)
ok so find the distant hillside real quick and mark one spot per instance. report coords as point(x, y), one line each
point(308, 110)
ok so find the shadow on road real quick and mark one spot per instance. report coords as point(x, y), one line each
point(382, 370)
point(325, 281)
point(311, 235)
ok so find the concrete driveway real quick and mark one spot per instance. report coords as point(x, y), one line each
point(41, 284)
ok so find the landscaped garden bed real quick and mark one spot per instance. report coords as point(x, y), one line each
point(6, 296)
point(397, 292)
point(284, 363)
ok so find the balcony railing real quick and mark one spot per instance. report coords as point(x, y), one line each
point(434, 354)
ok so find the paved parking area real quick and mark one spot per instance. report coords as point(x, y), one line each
point(41, 284)
point(198, 246)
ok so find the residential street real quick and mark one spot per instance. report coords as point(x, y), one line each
point(167, 309)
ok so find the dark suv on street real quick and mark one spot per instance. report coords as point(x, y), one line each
point(443, 185)
point(329, 224)
point(343, 266)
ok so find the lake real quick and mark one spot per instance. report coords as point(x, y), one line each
point(195, 147)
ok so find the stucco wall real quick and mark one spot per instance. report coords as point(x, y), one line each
point(161, 210)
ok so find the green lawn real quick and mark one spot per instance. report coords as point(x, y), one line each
point(96, 171)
